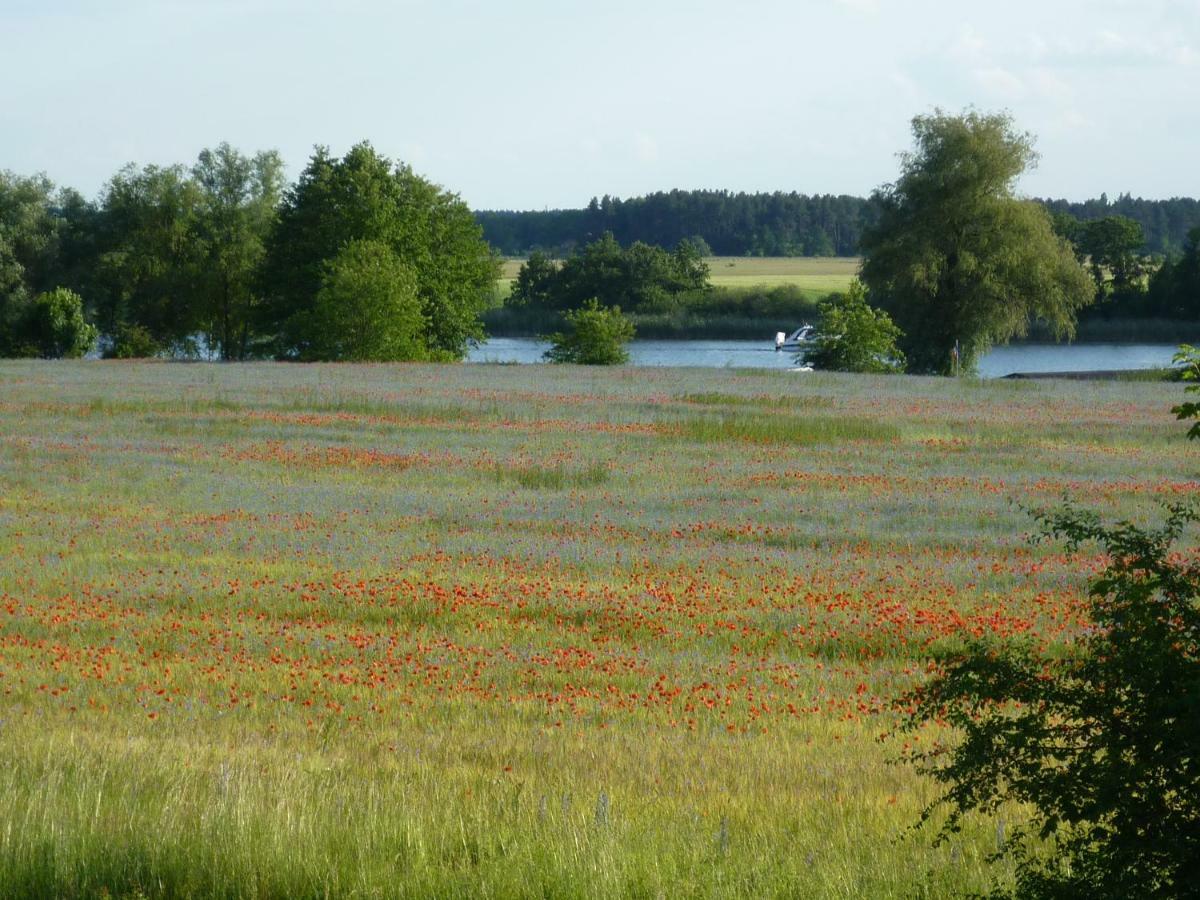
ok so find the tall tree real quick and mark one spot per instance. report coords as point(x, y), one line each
point(1113, 248)
point(149, 258)
point(365, 196)
point(238, 197)
point(956, 257)
point(367, 308)
point(31, 238)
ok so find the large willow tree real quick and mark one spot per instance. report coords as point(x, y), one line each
point(957, 258)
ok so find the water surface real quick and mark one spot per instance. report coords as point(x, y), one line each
point(762, 355)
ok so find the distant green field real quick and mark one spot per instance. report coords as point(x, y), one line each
point(817, 273)
point(821, 274)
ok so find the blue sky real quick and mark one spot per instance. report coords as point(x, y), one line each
point(531, 104)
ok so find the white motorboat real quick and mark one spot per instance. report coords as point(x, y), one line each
point(794, 342)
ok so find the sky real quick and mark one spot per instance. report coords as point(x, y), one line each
point(535, 104)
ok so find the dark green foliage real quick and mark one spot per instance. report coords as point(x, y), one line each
point(367, 308)
point(854, 337)
point(535, 283)
point(365, 196)
point(1188, 359)
point(1113, 249)
point(1174, 291)
point(956, 258)
point(777, 224)
point(237, 203)
point(728, 224)
point(640, 278)
point(132, 342)
point(1100, 741)
point(148, 258)
point(595, 336)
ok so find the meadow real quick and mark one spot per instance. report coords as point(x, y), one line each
point(405, 630)
point(817, 275)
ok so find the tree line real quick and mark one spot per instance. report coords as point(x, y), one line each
point(777, 224)
point(359, 259)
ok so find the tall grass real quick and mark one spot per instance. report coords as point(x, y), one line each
point(324, 631)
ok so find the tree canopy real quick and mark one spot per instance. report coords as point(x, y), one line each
point(956, 257)
point(639, 278)
point(365, 196)
point(367, 308)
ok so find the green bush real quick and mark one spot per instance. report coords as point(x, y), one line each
point(1101, 740)
point(854, 337)
point(595, 336)
point(132, 342)
point(54, 326)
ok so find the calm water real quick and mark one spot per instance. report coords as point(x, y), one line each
point(761, 355)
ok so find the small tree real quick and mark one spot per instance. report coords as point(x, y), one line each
point(854, 337)
point(367, 308)
point(55, 328)
point(596, 336)
point(1102, 740)
point(132, 342)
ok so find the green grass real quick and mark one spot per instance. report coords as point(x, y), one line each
point(419, 630)
point(785, 429)
point(819, 275)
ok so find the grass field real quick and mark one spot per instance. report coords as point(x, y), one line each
point(820, 275)
point(308, 631)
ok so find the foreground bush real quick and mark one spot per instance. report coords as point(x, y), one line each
point(854, 337)
point(1101, 742)
point(52, 326)
point(595, 336)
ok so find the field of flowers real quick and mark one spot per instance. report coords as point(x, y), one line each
point(304, 631)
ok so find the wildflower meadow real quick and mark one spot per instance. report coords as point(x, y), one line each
point(464, 630)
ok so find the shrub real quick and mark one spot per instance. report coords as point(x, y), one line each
point(1101, 741)
point(55, 328)
point(595, 336)
point(132, 342)
point(854, 337)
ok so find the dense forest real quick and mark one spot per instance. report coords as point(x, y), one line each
point(777, 224)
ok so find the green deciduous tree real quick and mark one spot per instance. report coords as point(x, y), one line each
point(367, 308)
point(640, 278)
point(596, 336)
point(238, 197)
point(956, 256)
point(1113, 248)
point(364, 196)
point(149, 261)
point(534, 285)
point(1099, 739)
point(1175, 288)
point(854, 337)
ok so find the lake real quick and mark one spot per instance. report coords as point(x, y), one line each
point(761, 355)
